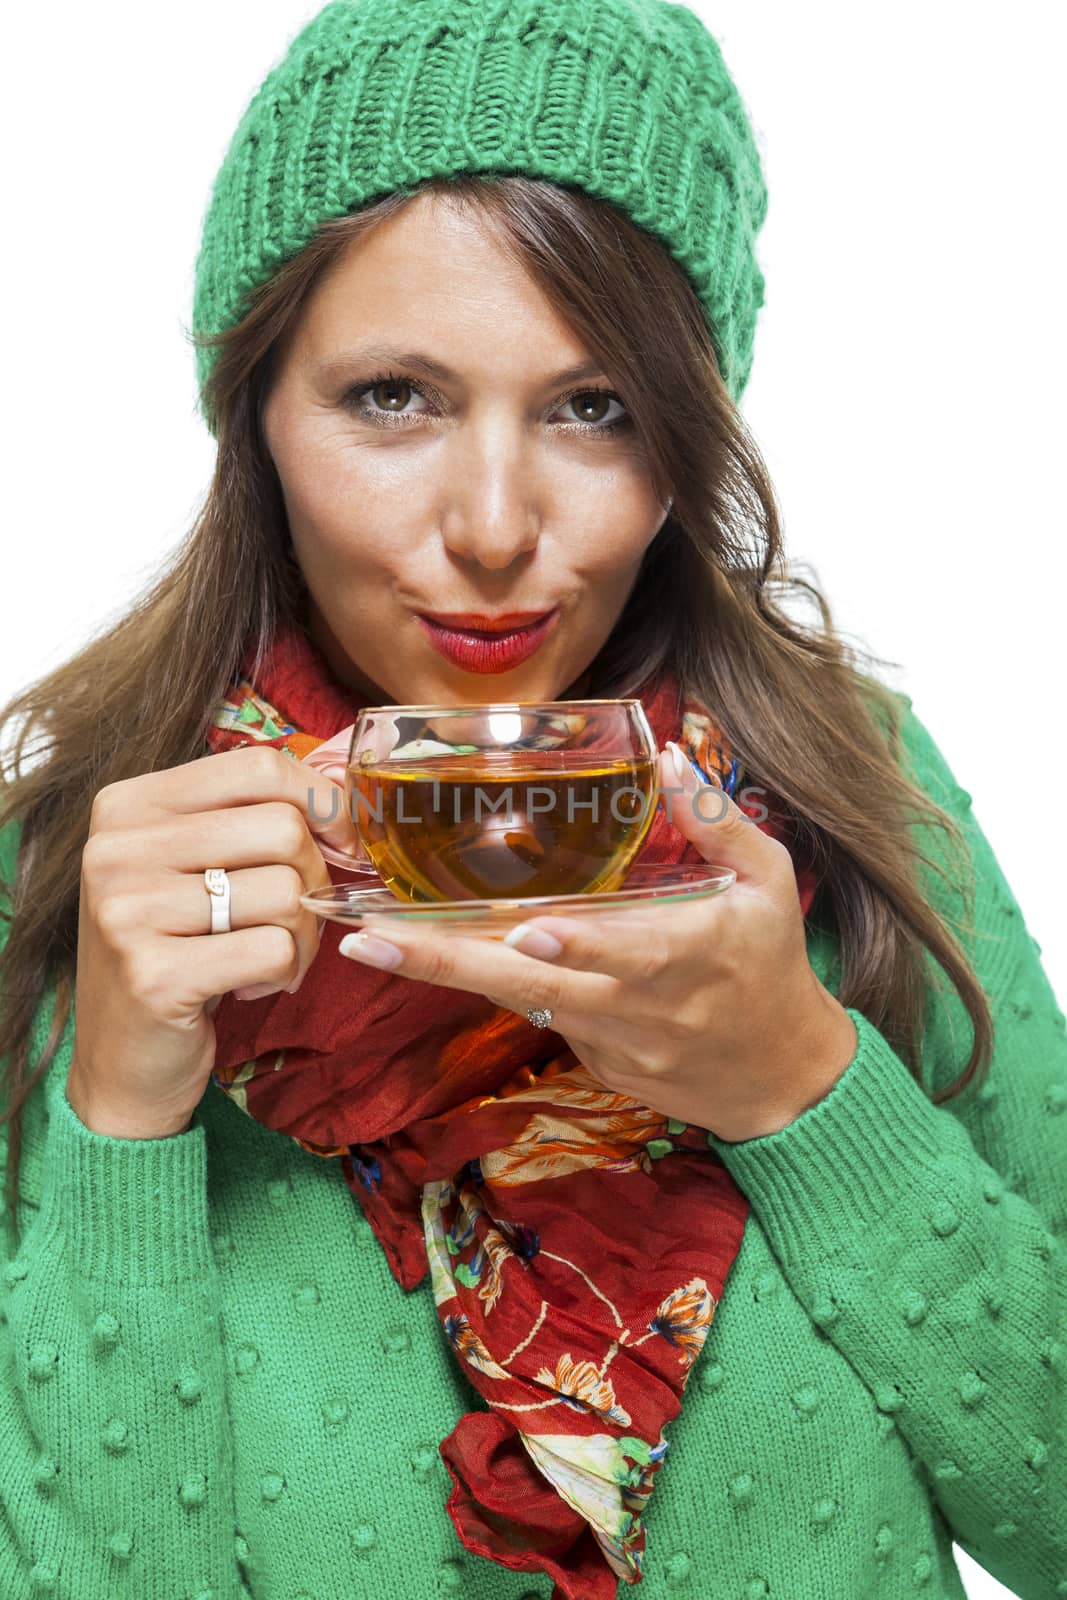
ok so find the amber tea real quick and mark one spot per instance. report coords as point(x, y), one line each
point(478, 826)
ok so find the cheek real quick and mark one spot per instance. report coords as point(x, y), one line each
point(324, 465)
point(607, 555)
point(333, 548)
point(347, 512)
point(611, 523)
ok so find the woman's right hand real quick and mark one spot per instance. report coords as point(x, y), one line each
point(149, 971)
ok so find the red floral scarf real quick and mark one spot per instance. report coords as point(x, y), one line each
point(577, 1241)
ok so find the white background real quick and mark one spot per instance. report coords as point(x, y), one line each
point(908, 387)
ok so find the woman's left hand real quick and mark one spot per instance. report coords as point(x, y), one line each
point(707, 1012)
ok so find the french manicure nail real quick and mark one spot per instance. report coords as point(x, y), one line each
point(533, 941)
point(374, 952)
point(681, 765)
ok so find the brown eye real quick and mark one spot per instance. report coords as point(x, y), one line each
point(591, 405)
point(392, 394)
point(386, 400)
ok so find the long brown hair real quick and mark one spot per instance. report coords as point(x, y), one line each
point(806, 716)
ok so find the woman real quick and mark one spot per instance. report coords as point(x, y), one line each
point(456, 259)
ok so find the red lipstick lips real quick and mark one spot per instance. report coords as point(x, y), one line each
point(479, 643)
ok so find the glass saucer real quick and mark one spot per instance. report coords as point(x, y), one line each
point(645, 883)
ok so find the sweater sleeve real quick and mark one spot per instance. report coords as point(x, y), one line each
point(928, 1241)
point(115, 1446)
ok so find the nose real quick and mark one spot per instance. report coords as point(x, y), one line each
point(493, 518)
point(493, 542)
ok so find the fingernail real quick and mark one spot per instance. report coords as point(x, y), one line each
point(257, 991)
point(374, 952)
point(681, 765)
point(533, 942)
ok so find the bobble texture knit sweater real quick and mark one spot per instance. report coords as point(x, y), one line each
point(213, 1388)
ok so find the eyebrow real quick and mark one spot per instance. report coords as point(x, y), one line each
point(418, 360)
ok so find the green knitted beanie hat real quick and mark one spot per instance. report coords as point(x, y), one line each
point(627, 99)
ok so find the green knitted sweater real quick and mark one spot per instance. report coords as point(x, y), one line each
point(213, 1387)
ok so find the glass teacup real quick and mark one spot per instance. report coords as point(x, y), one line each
point(503, 800)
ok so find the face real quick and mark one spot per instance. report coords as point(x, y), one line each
point(485, 483)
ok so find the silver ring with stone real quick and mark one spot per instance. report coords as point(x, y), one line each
point(541, 1018)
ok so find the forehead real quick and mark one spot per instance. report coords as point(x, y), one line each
point(436, 278)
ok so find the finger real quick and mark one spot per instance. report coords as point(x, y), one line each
point(648, 945)
point(483, 966)
point(178, 904)
point(240, 836)
point(232, 778)
point(581, 1028)
point(607, 1036)
point(706, 815)
point(270, 897)
point(213, 964)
